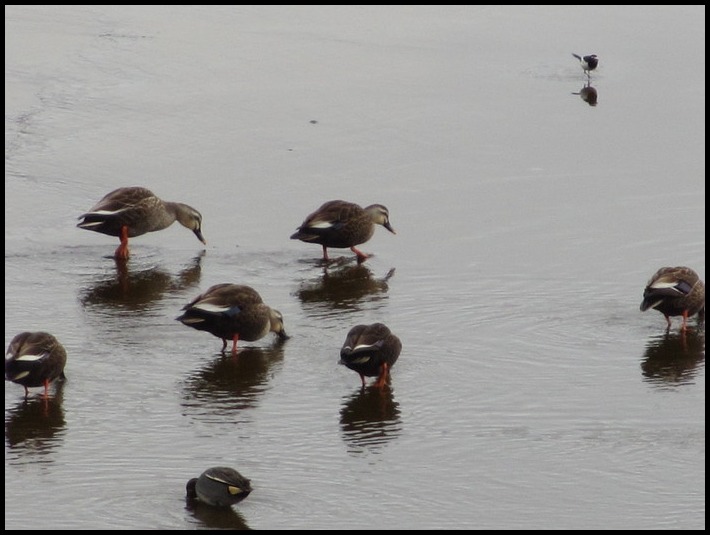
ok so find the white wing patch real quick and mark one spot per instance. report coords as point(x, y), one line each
point(664, 284)
point(20, 376)
point(32, 358)
point(364, 346)
point(654, 305)
point(209, 307)
point(107, 212)
point(190, 321)
point(321, 224)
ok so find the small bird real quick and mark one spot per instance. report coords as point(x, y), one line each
point(341, 224)
point(35, 359)
point(371, 350)
point(134, 211)
point(233, 312)
point(588, 63)
point(220, 486)
point(675, 291)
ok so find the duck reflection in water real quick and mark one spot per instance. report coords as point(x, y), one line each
point(227, 384)
point(588, 94)
point(139, 288)
point(346, 287)
point(206, 516)
point(673, 358)
point(369, 419)
point(35, 425)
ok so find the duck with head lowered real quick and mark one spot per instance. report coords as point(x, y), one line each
point(233, 312)
point(371, 350)
point(220, 486)
point(341, 224)
point(675, 291)
point(134, 211)
point(35, 359)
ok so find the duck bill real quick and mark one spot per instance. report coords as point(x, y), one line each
point(389, 227)
point(199, 235)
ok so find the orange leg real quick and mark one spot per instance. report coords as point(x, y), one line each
point(46, 388)
point(234, 344)
point(361, 257)
point(685, 321)
point(122, 251)
point(384, 373)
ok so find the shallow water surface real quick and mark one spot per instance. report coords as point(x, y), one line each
point(530, 392)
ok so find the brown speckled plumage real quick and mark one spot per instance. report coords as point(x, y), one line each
point(232, 312)
point(35, 359)
point(675, 291)
point(371, 350)
point(134, 211)
point(341, 224)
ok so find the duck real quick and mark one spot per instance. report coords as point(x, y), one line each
point(219, 486)
point(588, 63)
point(371, 350)
point(133, 211)
point(341, 224)
point(35, 359)
point(675, 291)
point(233, 312)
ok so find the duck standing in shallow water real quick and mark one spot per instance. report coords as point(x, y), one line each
point(675, 291)
point(371, 350)
point(342, 224)
point(35, 359)
point(134, 211)
point(233, 312)
point(220, 486)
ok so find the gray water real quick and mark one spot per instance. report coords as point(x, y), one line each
point(531, 392)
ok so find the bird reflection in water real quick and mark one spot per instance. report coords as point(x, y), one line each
point(588, 94)
point(227, 384)
point(672, 359)
point(138, 289)
point(206, 516)
point(35, 425)
point(369, 419)
point(346, 287)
